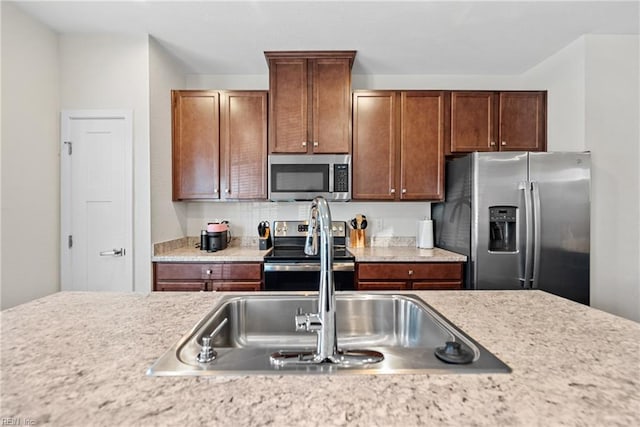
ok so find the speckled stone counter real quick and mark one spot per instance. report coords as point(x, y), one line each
point(80, 359)
point(185, 250)
point(405, 254)
point(246, 250)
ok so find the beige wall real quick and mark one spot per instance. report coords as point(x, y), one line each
point(168, 219)
point(30, 171)
point(613, 136)
point(593, 105)
point(112, 72)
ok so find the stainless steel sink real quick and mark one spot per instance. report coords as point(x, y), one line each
point(405, 329)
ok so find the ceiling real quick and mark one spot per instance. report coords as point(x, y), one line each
point(419, 37)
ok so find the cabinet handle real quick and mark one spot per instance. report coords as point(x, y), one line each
point(504, 142)
point(410, 272)
point(315, 143)
point(404, 190)
point(393, 190)
point(492, 143)
point(304, 143)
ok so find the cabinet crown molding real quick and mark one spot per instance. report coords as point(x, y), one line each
point(312, 54)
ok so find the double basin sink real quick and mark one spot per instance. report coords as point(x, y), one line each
point(406, 330)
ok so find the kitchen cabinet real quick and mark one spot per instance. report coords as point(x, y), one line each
point(398, 145)
point(310, 101)
point(408, 276)
point(219, 142)
point(498, 121)
point(175, 276)
point(243, 145)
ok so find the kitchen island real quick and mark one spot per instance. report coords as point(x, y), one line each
point(80, 359)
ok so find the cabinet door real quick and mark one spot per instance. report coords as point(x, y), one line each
point(196, 145)
point(422, 145)
point(239, 286)
point(383, 286)
point(331, 110)
point(288, 113)
point(374, 149)
point(522, 121)
point(243, 151)
point(472, 121)
point(435, 284)
point(180, 286)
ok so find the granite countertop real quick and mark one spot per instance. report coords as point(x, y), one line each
point(80, 359)
point(185, 250)
point(405, 254)
point(246, 250)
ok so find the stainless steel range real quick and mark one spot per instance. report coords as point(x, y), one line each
point(288, 268)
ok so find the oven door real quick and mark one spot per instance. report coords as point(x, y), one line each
point(305, 276)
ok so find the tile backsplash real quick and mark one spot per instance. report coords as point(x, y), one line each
point(385, 219)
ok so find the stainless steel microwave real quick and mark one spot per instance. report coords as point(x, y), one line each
point(303, 177)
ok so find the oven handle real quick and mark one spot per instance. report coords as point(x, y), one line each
point(306, 266)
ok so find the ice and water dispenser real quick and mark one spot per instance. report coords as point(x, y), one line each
point(502, 228)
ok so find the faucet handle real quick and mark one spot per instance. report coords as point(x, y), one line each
point(307, 322)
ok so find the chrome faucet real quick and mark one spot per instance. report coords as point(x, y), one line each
point(324, 321)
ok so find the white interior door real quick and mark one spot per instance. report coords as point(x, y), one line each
point(96, 192)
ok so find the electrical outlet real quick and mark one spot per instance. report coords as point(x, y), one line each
point(378, 225)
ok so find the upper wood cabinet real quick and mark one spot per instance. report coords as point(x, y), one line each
point(310, 101)
point(196, 144)
point(219, 145)
point(498, 121)
point(398, 145)
point(522, 121)
point(243, 145)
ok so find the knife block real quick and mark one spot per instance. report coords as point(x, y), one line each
point(357, 239)
point(264, 243)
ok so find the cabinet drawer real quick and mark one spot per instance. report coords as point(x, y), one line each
point(242, 271)
point(413, 271)
point(186, 271)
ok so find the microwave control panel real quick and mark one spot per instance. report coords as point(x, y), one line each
point(340, 178)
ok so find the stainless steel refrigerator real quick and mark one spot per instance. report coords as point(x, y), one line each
point(521, 218)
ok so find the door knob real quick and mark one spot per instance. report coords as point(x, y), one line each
point(114, 252)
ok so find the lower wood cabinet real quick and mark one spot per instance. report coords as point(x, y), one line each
point(408, 276)
point(234, 276)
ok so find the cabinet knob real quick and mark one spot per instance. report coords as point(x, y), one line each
point(315, 143)
point(492, 143)
point(410, 272)
point(504, 142)
point(226, 190)
point(209, 272)
point(393, 190)
point(304, 143)
point(215, 190)
point(404, 190)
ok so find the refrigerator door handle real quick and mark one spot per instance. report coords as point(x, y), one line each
point(535, 191)
point(525, 186)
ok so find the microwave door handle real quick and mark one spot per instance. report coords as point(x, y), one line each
point(330, 178)
point(535, 190)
